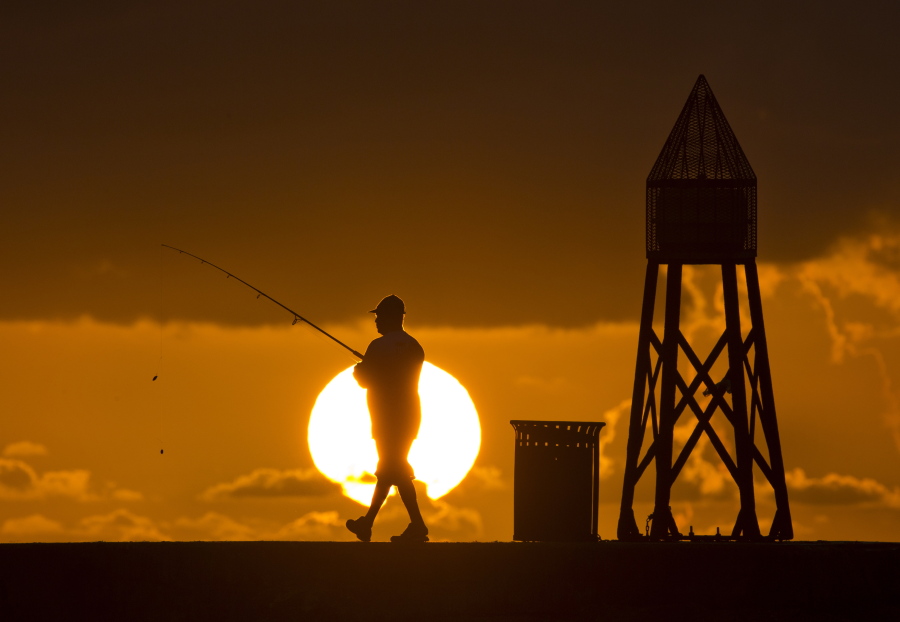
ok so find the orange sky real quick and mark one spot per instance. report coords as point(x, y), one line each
point(485, 161)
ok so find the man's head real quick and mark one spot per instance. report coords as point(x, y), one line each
point(389, 314)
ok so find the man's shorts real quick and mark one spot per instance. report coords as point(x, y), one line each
point(393, 467)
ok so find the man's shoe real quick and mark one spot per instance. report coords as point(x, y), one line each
point(413, 533)
point(361, 527)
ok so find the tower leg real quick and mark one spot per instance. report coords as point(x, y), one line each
point(627, 528)
point(663, 523)
point(743, 414)
point(782, 527)
point(746, 523)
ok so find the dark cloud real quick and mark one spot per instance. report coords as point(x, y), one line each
point(271, 483)
point(834, 489)
point(19, 481)
point(485, 160)
point(16, 475)
point(119, 525)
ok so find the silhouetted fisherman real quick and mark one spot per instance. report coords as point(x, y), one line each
point(390, 373)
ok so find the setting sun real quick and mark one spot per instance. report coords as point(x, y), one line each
point(342, 448)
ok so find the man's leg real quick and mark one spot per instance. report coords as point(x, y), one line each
point(378, 497)
point(362, 526)
point(416, 531)
point(408, 495)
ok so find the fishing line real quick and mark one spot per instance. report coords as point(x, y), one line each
point(260, 293)
point(159, 311)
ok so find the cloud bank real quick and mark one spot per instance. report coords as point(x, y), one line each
point(19, 481)
point(835, 489)
point(273, 483)
point(24, 449)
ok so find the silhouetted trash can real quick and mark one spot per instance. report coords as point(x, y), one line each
point(556, 481)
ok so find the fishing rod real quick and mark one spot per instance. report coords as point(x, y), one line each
point(297, 316)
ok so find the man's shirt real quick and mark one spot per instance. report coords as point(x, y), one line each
point(390, 372)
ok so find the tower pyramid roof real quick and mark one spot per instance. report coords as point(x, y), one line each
point(702, 145)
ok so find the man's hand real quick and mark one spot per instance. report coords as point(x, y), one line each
point(360, 376)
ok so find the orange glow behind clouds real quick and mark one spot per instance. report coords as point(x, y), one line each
point(342, 447)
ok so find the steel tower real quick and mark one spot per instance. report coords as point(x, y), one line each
point(701, 209)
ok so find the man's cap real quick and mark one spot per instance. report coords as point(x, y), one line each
point(390, 305)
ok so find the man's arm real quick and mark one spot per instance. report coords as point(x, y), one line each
point(364, 371)
point(359, 372)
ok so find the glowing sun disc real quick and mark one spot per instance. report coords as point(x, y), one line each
point(340, 435)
